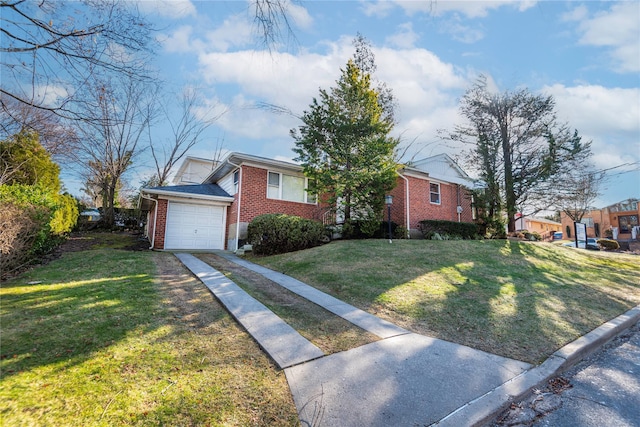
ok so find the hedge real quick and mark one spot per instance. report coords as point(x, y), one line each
point(272, 234)
point(463, 230)
point(32, 220)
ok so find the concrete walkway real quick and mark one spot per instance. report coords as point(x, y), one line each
point(405, 379)
point(283, 343)
point(364, 320)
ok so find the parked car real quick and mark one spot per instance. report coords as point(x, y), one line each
point(92, 215)
point(592, 243)
point(557, 235)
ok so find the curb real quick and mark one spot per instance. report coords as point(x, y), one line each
point(483, 408)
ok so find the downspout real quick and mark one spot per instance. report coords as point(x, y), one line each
point(239, 202)
point(155, 219)
point(407, 205)
point(458, 206)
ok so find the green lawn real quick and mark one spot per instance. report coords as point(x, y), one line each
point(118, 337)
point(517, 299)
point(114, 337)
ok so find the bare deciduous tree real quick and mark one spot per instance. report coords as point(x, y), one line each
point(185, 133)
point(111, 140)
point(49, 48)
point(56, 135)
point(517, 142)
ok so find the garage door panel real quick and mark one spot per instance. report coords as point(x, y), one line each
point(191, 226)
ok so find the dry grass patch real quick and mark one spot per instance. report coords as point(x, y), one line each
point(329, 332)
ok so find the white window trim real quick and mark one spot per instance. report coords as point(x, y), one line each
point(306, 186)
point(439, 193)
point(234, 175)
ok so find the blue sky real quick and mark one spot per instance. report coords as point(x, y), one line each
point(585, 54)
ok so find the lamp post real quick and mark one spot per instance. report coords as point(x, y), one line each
point(388, 199)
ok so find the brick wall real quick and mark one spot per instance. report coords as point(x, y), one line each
point(420, 206)
point(161, 223)
point(254, 202)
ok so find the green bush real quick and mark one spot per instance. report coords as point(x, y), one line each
point(272, 234)
point(608, 244)
point(363, 230)
point(451, 229)
point(65, 216)
point(32, 221)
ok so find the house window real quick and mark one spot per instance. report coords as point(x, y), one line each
point(236, 180)
point(434, 193)
point(288, 187)
point(627, 222)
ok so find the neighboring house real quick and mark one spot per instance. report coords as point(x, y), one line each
point(215, 213)
point(542, 226)
point(622, 216)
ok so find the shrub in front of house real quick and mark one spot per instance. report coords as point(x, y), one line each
point(272, 234)
point(608, 244)
point(454, 230)
point(33, 220)
point(369, 230)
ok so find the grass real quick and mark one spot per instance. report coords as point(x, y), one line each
point(327, 331)
point(111, 337)
point(517, 299)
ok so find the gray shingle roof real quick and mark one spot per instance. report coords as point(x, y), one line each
point(200, 189)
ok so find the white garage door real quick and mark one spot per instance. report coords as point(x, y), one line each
point(191, 226)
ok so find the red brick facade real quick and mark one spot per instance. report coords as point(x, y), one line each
point(253, 201)
point(420, 206)
point(156, 234)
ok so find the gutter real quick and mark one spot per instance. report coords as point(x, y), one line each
point(407, 203)
point(155, 218)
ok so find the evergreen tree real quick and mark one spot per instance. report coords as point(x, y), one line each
point(344, 144)
point(23, 160)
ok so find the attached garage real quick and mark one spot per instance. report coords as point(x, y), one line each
point(194, 226)
point(186, 217)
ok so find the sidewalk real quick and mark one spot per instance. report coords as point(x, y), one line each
point(405, 379)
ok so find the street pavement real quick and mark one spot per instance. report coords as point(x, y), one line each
point(602, 390)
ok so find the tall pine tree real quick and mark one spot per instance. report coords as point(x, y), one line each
point(344, 144)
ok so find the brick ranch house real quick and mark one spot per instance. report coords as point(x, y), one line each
point(214, 202)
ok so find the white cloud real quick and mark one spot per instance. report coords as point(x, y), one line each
point(234, 31)
point(50, 94)
point(460, 32)
point(471, 9)
point(404, 37)
point(180, 41)
point(425, 88)
point(578, 13)
point(377, 8)
point(168, 8)
point(610, 117)
point(299, 15)
point(617, 28)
